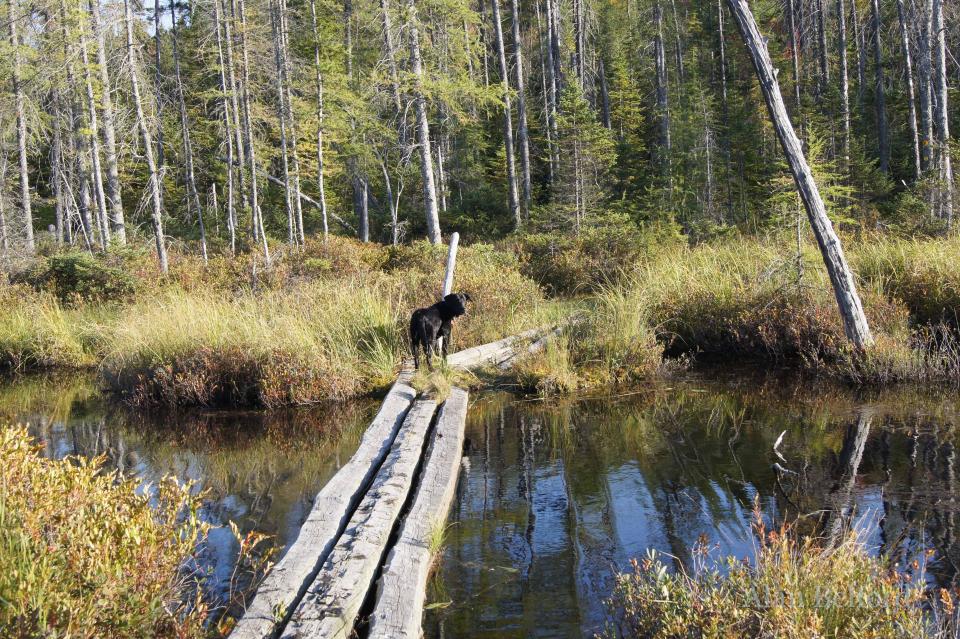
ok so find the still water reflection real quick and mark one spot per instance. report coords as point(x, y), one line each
point(259, 470)
point(556, 497)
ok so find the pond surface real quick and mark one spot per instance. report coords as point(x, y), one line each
point(556, 497)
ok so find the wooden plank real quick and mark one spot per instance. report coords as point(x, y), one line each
point(333, 600)
point(492, 353)
point(402, 590)
point(285, 585)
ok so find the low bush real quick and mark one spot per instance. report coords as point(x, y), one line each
point(83, 555)
point(564, 263)
point(77, 276)
point(796, 588)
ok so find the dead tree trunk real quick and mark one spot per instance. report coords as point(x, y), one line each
point(663, 106)
point(926, 78)
point(942, 111)
point(93, 130)
point(291, 120)
point(911, 95)
point(844, 80)
point(523, 138)
point(883, 140)
point(549, 89)
point(250, 149)
point(192, 194)
point(841, 277)
point(319, 87)
point(512, 196)
point(227, 130)
point(282, 119)
point(861, 54)
point(823, 78)
point(114, 194)
point(794, 54)
point(154, 183)
point(423, 128)
point(20, 107)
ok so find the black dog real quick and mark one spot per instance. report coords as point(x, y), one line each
point(429, 324)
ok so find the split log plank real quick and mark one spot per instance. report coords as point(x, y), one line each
point(285, 585)
point(492, 353)
point(400, 596)
point(332, 602)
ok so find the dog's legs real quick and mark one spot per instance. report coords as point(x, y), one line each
point(416, 355)
point(445, 332)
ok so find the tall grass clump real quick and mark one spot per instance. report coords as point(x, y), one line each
point(329, 341)
point(83, 555)
point(796, 588)
point(612, 343)
point(37, 332)
point(923, 274)
point(749, 299)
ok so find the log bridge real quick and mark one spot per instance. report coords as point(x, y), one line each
point(367, 539)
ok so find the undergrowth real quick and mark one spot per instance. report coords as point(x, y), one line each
point(84, 554)
point(797, 587)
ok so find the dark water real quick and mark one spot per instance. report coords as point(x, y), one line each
point(259, 470)
point(556, 497)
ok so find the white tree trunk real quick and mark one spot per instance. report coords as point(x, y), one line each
point(423, 128)
point(523, 137)
point(19, 106)
point(114, 194)
point(883, 136)
point(512, 196)
point(319, 86)
point(841, 277)
point(942, 110)
point(154, 183)
point(911, 94)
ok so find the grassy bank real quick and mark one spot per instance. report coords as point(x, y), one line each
point(795, 587)
point(323, 323)
point(329, 322)
point(83, 555)
point(754, 300)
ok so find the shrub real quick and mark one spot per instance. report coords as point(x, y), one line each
point(797, 588)
point(83, 555)
point(564, 263)
point(75, 277)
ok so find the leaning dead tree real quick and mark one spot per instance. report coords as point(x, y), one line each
point(841, 277)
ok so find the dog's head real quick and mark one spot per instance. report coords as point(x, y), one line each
point(456, 304)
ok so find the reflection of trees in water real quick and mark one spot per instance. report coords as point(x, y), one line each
point(261, 469)
point(559, 494)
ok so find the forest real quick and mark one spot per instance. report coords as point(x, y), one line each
point(705, 385)
point(222, 127)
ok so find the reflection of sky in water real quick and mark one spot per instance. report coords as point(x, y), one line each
point(555, 500)
point(260, 475)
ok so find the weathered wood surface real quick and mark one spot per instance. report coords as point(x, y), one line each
point(332, 508)
point(402, 589)
point(330, 606)
point(492, 353)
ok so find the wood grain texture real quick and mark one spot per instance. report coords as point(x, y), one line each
point(402, 590)
point(332, 602)
point(285, 585)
